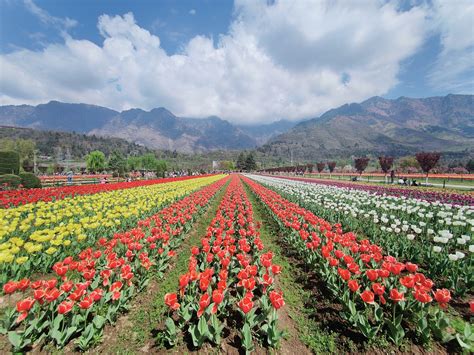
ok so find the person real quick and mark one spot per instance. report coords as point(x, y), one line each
point(405, 181)
point(392, 176)
point(400, 181)
point(414, 183)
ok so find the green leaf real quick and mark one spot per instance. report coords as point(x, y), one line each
point(99, 321)
point(15, 339)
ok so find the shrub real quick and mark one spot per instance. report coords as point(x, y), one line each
point(9, 162)
point(12, 181)
point(30, 180)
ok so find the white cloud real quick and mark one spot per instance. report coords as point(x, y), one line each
point(46, 18)
point(454, 22)
point(192, 12)
point(284, 60)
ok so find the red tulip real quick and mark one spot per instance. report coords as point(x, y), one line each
point(411, 267)
point(245, 304)
point(23, 284)
point(171, 300)
point(344, 273)
point(396, 296)
point(408, 281)
point(203, 303)
point(86, 302)
point(367, 296)
point(65, 307)
point(442, 296)
point(10, 287)
point(52, 295)
point(116, 295)
point(372, 274)
point(422, 296)
point(67, 286)
point(25, 304)
point(353, 285)
point(378, 289)
point(276, 298)
point(51, 283)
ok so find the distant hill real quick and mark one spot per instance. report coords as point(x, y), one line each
point(158, 128)
point(382, 126)
point(264, 132)
point(79, 144)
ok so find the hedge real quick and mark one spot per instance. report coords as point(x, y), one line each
point(9, 162)
point(10, 179)
point(30, 180)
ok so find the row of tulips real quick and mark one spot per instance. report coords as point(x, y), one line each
point(230, 281)
point(426, 195)
point(89, 290)
point(14, 198)
point(434, 235)
point(35, 236)
point(379, 294)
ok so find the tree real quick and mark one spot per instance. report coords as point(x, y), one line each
point(149, 161)
point(386, 163)
point(361, 164)
point(331, 166)
point(240, 165)
point(117, 163)
point(427, 161)
point(250, 163)
point(226, 165)
point(134, 163)
point(161, 168)
point(24, 147)
point(95, 161)
point(408, 163)
point(320, 167)
point(470, 165)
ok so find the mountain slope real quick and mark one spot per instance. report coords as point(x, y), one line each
point(382, 126)
point(158, 128)
point(264, 132)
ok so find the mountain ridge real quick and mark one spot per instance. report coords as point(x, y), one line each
point(382, 126)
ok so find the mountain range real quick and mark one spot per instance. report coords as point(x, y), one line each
point(381, 126)
point(376, 126)
point(158, 128)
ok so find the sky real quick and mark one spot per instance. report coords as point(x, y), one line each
point(247, 61)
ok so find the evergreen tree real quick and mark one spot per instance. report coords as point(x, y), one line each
point(250, 163)
point(117, 163)
point(241, 163)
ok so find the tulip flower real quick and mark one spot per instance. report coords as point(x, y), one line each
point(65, 307)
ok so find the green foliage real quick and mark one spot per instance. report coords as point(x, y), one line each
point(11, 180)
point(250, 163)
point(24, 147)
point(240, 165)
point(149, 161)
point(134, 163)
point(9, 162)
point(95, 161)
point(117, 163)
point(30, 180)
point(161, 168)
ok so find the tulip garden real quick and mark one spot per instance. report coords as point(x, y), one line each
point(235, 264)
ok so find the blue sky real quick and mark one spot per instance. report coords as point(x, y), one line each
point(174, 21)
point(248, 61)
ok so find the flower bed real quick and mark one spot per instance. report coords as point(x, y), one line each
point(229, 278)
point(378, 293)
point(89, 290)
